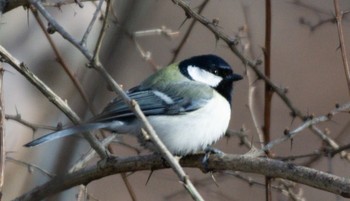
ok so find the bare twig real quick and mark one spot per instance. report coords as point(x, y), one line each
point(160, 31)
point(92, 22)
point(252, 79)
point(268, 91)
point(2, 133)
point(33, 126)
point(241, 134)
point(96, 57)
point(61, 61)
point(14, 4)
point(188, 32)
point(101, 34)
point(147, 55)
point(39, 6)
point(231, 43)
point(85, 158)
point(311, 122)
point(339, 17)
point(56, 100)
point(269, 167)
point(267, 59)
point(30, 166)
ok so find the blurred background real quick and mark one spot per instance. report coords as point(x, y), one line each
point(305, 59)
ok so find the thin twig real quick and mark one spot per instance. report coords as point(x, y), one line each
point(309, 123)
point(33, 126)
point(268, 91)
point(339, 17)
point(267, 59)
point(39, 6)
point(251, 77)
point(188, 32)
point(96, 57)
point(2, 132)
point(30, 166)
point(147, 55)
point(54, 98)
point(102, 33)
point(85, 158)
point(231, 43)
point(91, 24)
point(61, 61)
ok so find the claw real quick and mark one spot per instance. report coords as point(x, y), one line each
point(210, 150)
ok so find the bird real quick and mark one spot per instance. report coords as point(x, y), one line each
point(188, 103)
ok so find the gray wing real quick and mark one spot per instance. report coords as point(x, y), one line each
point(151, 102)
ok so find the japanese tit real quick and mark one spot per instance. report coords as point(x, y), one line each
point(187, 103)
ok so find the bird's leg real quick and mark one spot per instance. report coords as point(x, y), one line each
point(207, 151)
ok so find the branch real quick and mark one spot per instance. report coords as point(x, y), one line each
point(34, 127)
point(268, 91)
point(2, 132)
point(264, 166)
point(133, 105)
point(231, 43)
point(30, 166)
point(54, 98)
point(61, 61)
point(339, 17)
point(12, 4)
point(188, 32)
point(308, 123)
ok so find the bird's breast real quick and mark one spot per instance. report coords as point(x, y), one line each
point(193, 131)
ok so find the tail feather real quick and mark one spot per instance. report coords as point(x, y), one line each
point(66, 132)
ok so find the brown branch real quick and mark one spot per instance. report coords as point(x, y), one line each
point(33, 126)
point(231, 43)
point(267, 59)
point(339, 17)
point(188, 32)
point(12, 4)
point(50, 95)
point(2, 133)
point(264, 166)
point(306, 124)
point(61, 61)
point(268, 91)
point(30, 166)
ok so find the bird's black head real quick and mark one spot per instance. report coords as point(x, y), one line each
point(211, 70)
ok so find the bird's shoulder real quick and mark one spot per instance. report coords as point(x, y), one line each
point(166, 93)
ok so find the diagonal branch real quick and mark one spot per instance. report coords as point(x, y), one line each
point(54, 98)
point(231, 43)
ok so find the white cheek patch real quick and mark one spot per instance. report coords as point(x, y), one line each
point(201, 75)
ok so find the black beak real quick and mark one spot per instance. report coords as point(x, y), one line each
point(236, 77)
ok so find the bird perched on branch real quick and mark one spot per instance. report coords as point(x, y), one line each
point(187, 103)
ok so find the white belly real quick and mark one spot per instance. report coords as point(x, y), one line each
point(190, 133)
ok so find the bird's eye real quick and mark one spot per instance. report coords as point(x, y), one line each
point(215, 71)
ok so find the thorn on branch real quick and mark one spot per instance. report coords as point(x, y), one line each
point(50, 29)
point(79, 3)
point(286, 131)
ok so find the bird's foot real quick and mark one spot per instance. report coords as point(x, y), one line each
point(207, 151)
